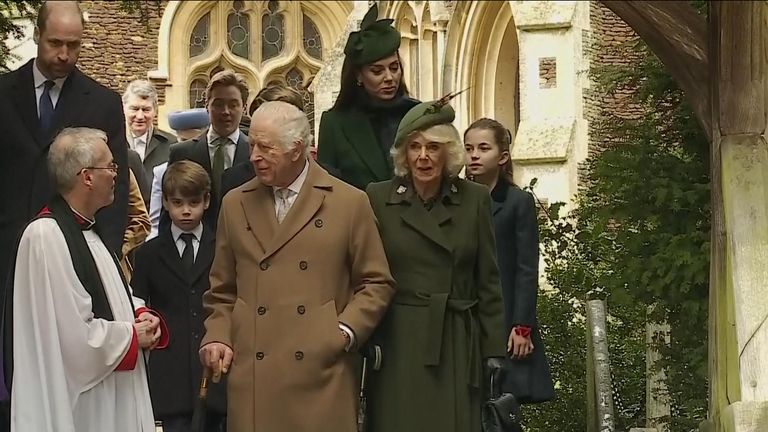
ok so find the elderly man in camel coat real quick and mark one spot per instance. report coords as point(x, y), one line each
point(299, 281)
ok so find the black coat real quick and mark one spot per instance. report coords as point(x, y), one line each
point(25, 186)
point(517, 248)
point(196, 150)
point(134, 163)
point(160, 279)
point(236, 176)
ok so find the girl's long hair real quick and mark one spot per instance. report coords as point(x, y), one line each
point(503, 138)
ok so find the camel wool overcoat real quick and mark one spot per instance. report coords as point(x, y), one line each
point(278, 293)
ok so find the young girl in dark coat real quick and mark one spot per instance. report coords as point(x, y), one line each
point(527, 374)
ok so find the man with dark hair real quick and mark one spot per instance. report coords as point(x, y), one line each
point(224, 145)
point(39, 99)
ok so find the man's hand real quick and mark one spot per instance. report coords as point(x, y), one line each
point(145, 334)
point(519, 346)
point(217, 357)
point(154, 327)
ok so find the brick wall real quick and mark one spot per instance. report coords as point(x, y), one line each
point(608, 44)
point(117, 47)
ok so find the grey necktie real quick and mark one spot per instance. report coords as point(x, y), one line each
point(283, 203)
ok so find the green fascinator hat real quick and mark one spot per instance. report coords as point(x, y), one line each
point(374, 41)
point(425, 115)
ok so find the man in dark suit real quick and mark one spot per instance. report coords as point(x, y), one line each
point(39, 99)
point(152, 144)
point(224, 145)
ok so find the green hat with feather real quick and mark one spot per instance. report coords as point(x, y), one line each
point(374, 41)
point(425, 115)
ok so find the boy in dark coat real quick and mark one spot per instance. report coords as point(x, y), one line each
point(171, 275)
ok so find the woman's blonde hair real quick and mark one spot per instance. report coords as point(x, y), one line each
point(444, 134)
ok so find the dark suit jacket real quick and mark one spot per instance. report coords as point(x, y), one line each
point(196, 150)
point(160, 279)
point(158, 150)
point(236, 176)
point(517, 248)
point(145, 186)
point(24, 182)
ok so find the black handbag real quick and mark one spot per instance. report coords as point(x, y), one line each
point(501, 412)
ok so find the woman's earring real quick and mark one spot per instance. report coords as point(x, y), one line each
point(359, 83)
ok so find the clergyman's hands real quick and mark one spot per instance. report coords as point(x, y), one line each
point(145, 334)
point(154, 327)
point(217, 357)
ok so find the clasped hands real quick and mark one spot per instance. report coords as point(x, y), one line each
point(147, 327)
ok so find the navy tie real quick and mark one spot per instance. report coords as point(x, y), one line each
point(188, 255)
point(46, 107)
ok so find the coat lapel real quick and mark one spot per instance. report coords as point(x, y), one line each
point(259, 208)
point(73, 96)
point(25, 99)
point(200, 152)
point(307, 204)
point(170, 254)
point(359, 133)
point(154, 141)
point(242, 150)
point(204, 256)
point(417, 217)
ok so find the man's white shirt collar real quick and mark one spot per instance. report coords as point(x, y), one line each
point(212, 136)
point(299, 182)
point(40, 79)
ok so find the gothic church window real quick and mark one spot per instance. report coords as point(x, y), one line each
point(262, 40)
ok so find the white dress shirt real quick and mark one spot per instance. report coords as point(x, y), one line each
point(176, 232)
point(156, 199)
point(139, 144)
point(229, 153)
point(40, 80)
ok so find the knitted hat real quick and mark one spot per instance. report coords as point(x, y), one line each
point(374, 41)
point(196, 118)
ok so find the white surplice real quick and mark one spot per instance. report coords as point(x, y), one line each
point(64, 377)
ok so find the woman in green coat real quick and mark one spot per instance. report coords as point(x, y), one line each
point(357, 133)
point(446, 320)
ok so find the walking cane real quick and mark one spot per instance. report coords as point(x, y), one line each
point(372, 354)
point(201, 406)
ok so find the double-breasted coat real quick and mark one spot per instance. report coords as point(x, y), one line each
point(447, 315)
point(278, 293)
point(177, 294)
point(517, 244)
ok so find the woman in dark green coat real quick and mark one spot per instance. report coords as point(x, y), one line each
point(446, 320)
point(357, 133)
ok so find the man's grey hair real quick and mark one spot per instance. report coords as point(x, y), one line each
point(71, 151)
point(142, 89)
point(293, 125)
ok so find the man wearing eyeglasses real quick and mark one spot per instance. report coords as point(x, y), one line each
point(78, 334)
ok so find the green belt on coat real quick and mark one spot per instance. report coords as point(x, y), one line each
point(437, 305)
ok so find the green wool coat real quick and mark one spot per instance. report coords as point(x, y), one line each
point(447, 315)
point(347, 145)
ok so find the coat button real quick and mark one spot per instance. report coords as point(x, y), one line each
point(299, 355)
point(303, 265)
point(301, 309)
point(261, 310)
point(194, 314)
point(264, 265)
point(259, 355)
point(319, 223)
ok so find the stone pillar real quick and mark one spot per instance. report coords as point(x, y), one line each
point(600, 411)
point(739, 65)
point(656, 393)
